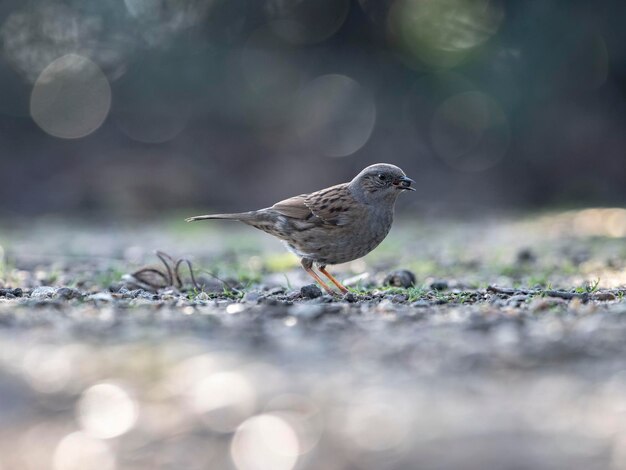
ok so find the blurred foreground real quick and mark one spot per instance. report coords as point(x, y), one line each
point(447, 374)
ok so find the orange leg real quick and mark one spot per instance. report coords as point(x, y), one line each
point(307, 267)
point(339, 285)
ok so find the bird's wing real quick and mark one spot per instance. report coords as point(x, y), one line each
point(330, 206)
point(333, 205)
point(294, 207)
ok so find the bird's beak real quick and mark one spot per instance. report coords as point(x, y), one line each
point(404, 182)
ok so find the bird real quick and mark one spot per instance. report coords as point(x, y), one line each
point(333, 225)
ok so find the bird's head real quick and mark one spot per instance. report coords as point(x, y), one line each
point(381, 182)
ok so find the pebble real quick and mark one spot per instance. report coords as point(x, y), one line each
point(396, 298)
point(400, 278)
point(202, 296)
point(68, 293)
point(420, 304)
point(439, 285)
point(310, 291)
point(144, 294)
point(11, 293)
point(101, 296)
point(603, 296)
point(43, 292)
point(293, 295)
point(526, 255)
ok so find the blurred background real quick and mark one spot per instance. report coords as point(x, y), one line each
point(161, 109)
point(136, 107)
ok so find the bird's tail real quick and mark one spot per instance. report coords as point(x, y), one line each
point(242, 216)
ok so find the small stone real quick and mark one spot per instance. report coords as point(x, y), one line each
point(101, 296)
point(420, 304)
point(400, 278)
point(350, 297)
point(202, 296)
point(43, 292)
point(310, 291)
point(525, 255)
point(11, 293)
point(439, 285)
point(603, 296)
point(142, 294)
point(293, 295)
point(68, 293)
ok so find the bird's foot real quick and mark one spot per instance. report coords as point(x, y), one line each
point(332, 279)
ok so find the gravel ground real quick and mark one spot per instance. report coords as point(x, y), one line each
point(501, 344)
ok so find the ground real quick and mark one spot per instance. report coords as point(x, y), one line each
point(508, 352)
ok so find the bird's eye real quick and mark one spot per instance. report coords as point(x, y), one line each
point(382, 177)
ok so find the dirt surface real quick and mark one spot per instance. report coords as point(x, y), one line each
point(507, 352)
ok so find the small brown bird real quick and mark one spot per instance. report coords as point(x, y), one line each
point(334, 225)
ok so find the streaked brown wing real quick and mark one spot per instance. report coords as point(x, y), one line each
point(332, 205)
point(294, 207)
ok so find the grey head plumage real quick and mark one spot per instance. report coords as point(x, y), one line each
point(380, 183)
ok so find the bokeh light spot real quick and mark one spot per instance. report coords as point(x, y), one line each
point(334, 115)
point(377, 420)
point(442, 33)
point(71, 98)
point(105, 410)
point(470, 132)
point(223, 400)
point(77, 451)
point(600, 222)
point(47, 370)
point(302, 414)
point(264, 442)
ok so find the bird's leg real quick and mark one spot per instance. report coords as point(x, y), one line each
point(307, 264)
point(339, 285)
